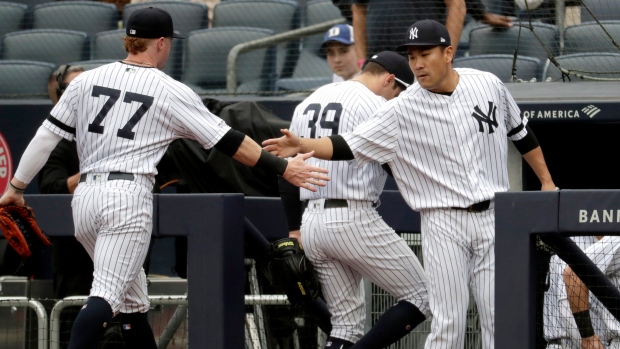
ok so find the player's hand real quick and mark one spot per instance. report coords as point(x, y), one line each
point(12, 197)
point(497, 20)
point(295, 234)
point(548, 186)
point(285, 146)
point(592, 342)
point(303, 175)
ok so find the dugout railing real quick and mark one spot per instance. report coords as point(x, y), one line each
point(521, 217)
point(212, 224)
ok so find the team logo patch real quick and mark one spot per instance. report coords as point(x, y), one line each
point(126, 327)
point(489, 117)
point(413, 33)
point(132, 31)
point(6, 164)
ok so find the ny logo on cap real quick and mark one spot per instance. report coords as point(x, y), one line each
point(442, 39)
point(413, 33)
point(334, 32)
point(132, 31)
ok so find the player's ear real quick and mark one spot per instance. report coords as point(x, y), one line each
point(449, 54)
point(389, 79)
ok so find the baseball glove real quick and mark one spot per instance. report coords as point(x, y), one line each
point(21, 230)
point(294, 271)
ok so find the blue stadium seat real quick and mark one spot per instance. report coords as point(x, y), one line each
point(590, 37)
point(109, 45)
point(86, 16)
point(24, 79)
point(528, 68)
point(602, 10)
point(206, 57)
point(55, 46)
point(276, 15)
point(11, 17)
point(489, 40)
point(602, 65)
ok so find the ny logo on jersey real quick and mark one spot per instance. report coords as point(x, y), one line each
point(488, 117)
point(413, 33)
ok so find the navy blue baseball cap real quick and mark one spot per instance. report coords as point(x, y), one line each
point(395, 64)
point(151, 23)
point(426, 33)
point(342, 33)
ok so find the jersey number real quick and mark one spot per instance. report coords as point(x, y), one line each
point(125, 131)
point(334, 109)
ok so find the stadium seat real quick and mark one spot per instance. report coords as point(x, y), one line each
point(590, 37)
point(11, 17)
point(276, 15)
point(206, 57)
point(94, 63)
point(87, 16)
point(109, 45)
point(602, 10)
point(596, 64)
point(24, 79)
point(56, 46)
point(489, 40)
point(311, 69)
point(501, 66)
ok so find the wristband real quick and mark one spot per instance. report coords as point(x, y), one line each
point(271, 162)
point(584, 323)
point(16, 188)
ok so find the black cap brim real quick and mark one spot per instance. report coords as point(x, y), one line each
point(405, 47)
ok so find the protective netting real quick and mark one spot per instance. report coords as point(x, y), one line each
point(548, 41)
point(562, 294)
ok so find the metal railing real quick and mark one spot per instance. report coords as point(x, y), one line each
point(39, 310)
point(231, 66)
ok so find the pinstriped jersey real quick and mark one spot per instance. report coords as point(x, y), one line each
point(444, 150)
point(123, 117)
point(334, 109)
point(606, 256)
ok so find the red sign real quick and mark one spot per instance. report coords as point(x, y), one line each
point(6, 164)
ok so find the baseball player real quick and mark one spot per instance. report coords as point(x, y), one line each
point(339, 45)
point(597, 327)
point(560, 330)
point(445, 140)
point(123, 116)
point(343, 235)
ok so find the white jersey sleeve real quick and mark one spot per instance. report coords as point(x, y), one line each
point(376, 138)
point(515, 124)
point(606, 255)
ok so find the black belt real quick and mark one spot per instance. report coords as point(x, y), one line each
point(112, 176)
point(478, 207)
point(335, 203)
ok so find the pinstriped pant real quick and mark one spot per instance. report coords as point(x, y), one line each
point(113, 221)
point(346, 244)
point(459, 251)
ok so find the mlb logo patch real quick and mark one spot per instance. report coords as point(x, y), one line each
point(126, 327)
point(132, 31)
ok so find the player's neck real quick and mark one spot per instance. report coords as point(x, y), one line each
point(141, 60)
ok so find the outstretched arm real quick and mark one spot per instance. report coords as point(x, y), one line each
point(295, 171)
point(325, 148)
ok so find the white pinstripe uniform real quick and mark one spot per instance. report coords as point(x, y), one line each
point(449, 151)
point(346, 243)
point(123, 117)
point(560, 330)
point(606, 256)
